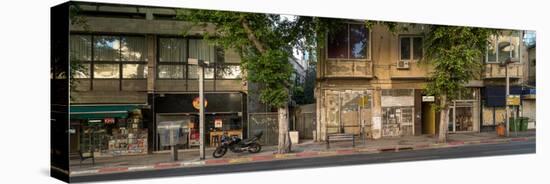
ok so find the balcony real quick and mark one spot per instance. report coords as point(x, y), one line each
point(495, 71)
point(348, 69)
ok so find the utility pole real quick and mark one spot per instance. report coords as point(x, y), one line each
point(201, 64)
point(507, 94)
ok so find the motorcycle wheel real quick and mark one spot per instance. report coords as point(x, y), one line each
point(254, 148)
point(219, 152)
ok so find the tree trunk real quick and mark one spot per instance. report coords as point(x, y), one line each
point(443, 119)
point(284, 138)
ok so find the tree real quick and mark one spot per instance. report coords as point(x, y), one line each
point(455, 53)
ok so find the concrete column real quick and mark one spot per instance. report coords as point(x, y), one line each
point(377, 113)
point(151, 62)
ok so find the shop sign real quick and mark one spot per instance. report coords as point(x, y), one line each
point(218, 123)
point(196, 103)
point(428, 98)
point(109, 120)
point(513, 100)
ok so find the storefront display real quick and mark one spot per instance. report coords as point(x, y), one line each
point(110, 133)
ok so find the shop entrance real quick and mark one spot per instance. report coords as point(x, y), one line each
point(428, 118)
point(461, 116)
point(347, 110)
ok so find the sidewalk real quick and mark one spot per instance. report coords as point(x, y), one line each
point(308, 148)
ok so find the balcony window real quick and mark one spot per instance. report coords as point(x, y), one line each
point(502, 47)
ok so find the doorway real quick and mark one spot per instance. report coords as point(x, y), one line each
point(428, 118)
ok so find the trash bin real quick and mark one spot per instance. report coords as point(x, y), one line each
point(501, 130)
point(514, 124)
point(524, 121)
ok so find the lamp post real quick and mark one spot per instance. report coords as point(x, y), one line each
point(201, 64)
point(505, 64)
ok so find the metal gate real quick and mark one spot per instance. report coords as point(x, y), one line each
point(305, 124)
point(266, 122)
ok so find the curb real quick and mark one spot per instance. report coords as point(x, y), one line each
point(305, 154)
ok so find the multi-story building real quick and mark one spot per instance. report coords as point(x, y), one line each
point(135, 75)
point(370, 82)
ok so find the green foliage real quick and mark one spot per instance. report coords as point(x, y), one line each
point(456, 54)
point(265, 43)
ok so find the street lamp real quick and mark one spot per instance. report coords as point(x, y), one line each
point(201, 64)
point(505, 64)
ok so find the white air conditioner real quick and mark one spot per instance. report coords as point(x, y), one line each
point(403, 65)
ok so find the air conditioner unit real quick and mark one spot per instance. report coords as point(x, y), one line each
point(403, 65)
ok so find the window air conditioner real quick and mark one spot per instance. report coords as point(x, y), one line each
point(403, 64)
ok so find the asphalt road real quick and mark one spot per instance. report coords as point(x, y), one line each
point(412, 155)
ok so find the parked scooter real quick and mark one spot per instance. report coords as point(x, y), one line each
point(236, 145)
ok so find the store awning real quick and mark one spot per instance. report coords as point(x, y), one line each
point(100, 111)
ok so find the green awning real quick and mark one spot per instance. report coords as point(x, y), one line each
point(100, 111)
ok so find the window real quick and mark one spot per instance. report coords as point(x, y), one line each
point(172, 58)
point(171, 71)
point(410, 48)
point(201, 49)
point(106, 71)
point(81, 53)
point(193, 72)
point(133, 49)
point(228, 72)
point(106, 48)
point(172, 50)
point(134, 71)
point(109, 56)
point(350, 41)
point(502, 47)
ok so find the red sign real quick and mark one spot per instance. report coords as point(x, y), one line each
point(109, 120)
point(196, 103)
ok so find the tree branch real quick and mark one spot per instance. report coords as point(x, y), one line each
point(251, 35)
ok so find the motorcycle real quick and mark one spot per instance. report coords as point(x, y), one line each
point(236, 145)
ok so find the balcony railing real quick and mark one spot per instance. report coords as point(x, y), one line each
point(495, 71)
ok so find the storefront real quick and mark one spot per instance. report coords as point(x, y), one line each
point(397, 112)
point(464, 112)
point(493, 108)
point(107, 130)
point(224, 113)
point(347, 110)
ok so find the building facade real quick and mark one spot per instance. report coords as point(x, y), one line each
point(370, 83)
point(133, 74)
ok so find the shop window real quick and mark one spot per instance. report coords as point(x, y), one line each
point(350, 41)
